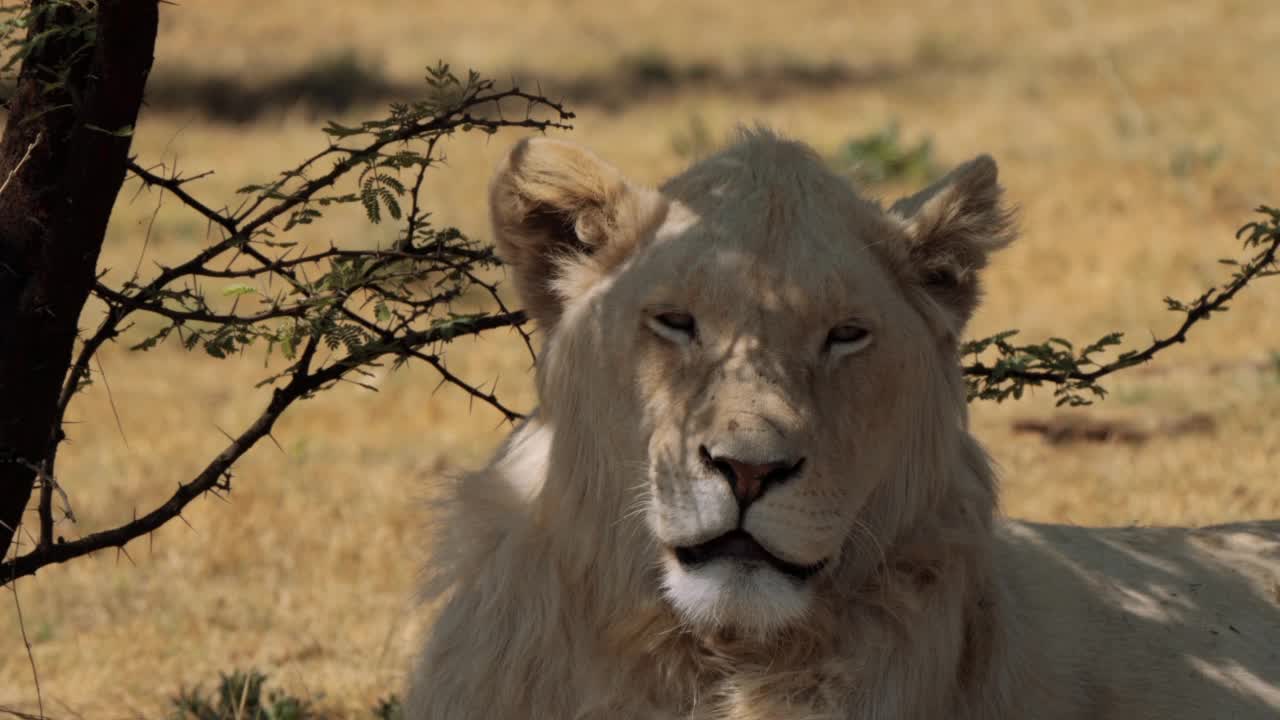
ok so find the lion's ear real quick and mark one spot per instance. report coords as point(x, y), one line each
point(560, 212)
point(951, 227)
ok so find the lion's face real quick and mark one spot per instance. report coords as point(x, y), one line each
point(773, 374)
point(774, 360)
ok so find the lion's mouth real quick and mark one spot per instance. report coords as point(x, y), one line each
point(740, 545)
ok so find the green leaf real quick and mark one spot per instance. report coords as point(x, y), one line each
point(126, 131)
point(335, 130)
point(238, 289)
point(289, 344)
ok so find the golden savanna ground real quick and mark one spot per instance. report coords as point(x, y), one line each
point(1135, 137)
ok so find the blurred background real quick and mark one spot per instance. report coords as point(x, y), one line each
point(1135, 138)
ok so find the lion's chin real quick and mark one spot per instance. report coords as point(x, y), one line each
point(729, 592)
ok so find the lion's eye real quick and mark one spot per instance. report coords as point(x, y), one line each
point(847, 338)
point(674, 326)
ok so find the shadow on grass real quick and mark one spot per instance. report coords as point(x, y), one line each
point(335, 82)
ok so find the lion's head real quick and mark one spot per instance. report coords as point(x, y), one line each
point(752, 363)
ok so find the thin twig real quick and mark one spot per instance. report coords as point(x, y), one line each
point(44, 510)
point(1213, 300)
point(23, 161)
point(31, 656)
point(111, 400)
point(22, 715)
point(132, 302)
point(476, 393)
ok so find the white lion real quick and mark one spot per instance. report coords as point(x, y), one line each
point(750, 491)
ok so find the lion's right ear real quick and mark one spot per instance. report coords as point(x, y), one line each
point(563, 217)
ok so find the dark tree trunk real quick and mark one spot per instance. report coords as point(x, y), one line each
point(62, 162)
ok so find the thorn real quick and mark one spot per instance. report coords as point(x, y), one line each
point(224, 433)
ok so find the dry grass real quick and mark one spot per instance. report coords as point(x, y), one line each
point(307, 570)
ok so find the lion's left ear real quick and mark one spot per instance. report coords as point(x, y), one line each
point(951, 227)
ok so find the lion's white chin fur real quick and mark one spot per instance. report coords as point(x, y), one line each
point(727, 593)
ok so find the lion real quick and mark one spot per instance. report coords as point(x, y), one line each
point(749, 490)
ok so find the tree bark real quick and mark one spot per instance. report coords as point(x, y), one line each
point(62, 162)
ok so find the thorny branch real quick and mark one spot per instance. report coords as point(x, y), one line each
point(1073, 374)
point(361, 306)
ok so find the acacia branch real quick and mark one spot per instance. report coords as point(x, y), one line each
point(1043, 364)
point(459, 116)
point(302, 383)
point(489, 398)
point(174, 184)
point(325, 295)
point(118, 537)
point(133, 303)
point(240, 229)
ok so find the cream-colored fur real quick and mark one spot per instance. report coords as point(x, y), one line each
point(755, 309)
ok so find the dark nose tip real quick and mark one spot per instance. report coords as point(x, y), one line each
point(747, 479)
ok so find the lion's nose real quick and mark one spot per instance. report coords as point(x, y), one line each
point(750, 480)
